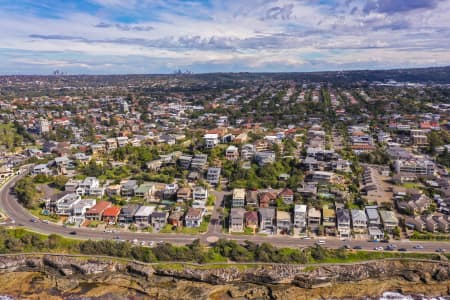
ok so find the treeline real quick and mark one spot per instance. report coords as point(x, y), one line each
point(26, 191)
point(20, 240)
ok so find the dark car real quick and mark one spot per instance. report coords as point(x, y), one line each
point(441, 250)
point(73, 232)
point(402, 249)
point(357, 247)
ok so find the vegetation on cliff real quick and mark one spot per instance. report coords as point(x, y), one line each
point(20, 240)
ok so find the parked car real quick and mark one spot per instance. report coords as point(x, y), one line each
point(379, 248)
point(440, 250)
point(402, 249)
point(418, 246)
point(357, 247)
point(320, 242)
point(73, 232)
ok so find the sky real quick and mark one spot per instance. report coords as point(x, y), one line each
point(161, 36)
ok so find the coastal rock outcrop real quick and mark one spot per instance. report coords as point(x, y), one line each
point(241, 281)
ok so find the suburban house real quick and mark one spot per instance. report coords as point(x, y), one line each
point(284, 222)
point(113, 190)
point(213, 175)
point(90, 186)
point(343, 222)
point(200, 193)
point(251, 198)
point(238, 199)
point(111, 214)
point(287, 195)
point(95, 213)
point(359, 221)
point(232, 153)
point(193, 217)
point(389, 220)
point(300, 216)
point(175, 219)
point(183, 194)
point(159, 219)
point(267, 199)
point(266, 157)
point(170, 191)
point(416, 223)
point(72, 185)
point(142, 215)
point(41, 169)
point(443, 223)
point(80, 209)
point(127, 213)
point(266, 219)
point(251, 219)
point(127, 187)
point(329, 219)
point(248, 152)
point(199, 162)
point(64, 205)
point(373, 218)
point(314, 218)
point(211, 140)
point(236, 220)
point(145, 190)
point(185, 161)
point(375, 234)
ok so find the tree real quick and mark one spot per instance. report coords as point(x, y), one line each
point(59, 181)
point(26, 192)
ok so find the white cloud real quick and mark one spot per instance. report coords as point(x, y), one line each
point(251, 34)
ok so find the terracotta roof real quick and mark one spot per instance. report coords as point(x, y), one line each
point(112, 211)
point(99, 207)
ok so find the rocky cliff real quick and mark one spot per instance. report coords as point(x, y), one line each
point(60, 275)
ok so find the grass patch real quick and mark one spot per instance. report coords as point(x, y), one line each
point(37, 212)
point(247, 231)
point(418, 236)
point(94, 224)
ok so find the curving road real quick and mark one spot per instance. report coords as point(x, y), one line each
point(10, 206)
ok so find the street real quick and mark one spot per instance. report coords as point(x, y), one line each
point(10, 206)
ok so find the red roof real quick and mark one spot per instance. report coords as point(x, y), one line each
point(251, 216)
point(99, 207)
point(112, 211)
point(287, 192)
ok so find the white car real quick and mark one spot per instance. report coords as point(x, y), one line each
point(418, 247)
point(379, 248)
point(151, 243)
point(320, 242)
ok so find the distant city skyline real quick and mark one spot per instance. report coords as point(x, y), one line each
point(162, 36)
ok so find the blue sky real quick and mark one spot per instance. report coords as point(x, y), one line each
point(160, 36)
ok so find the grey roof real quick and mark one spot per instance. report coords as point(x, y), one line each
point(129, 210)
point(144, 211)
point(343, 215)
point(267, 213)
point(237, 213)
point(372, 212)
point(358, 215)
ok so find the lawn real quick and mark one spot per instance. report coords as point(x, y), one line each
point(37, 212)
point(196, 230)
point(247, 231)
